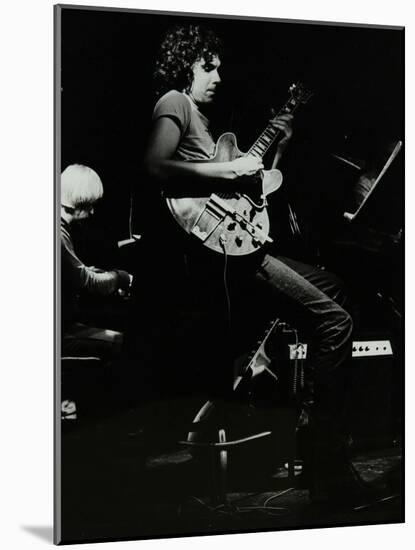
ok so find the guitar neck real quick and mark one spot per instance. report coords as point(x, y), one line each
point(270, 134)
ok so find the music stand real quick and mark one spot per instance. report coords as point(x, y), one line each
point(351, 217)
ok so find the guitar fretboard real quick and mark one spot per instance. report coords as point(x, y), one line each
point(269, 135)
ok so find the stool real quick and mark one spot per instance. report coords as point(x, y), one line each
point(219, 459)
point(219, 444)
point(257, 362)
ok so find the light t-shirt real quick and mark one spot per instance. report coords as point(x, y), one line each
point(196, 141)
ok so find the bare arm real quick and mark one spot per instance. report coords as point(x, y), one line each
point(160, 164)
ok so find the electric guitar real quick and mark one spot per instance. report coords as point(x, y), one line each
point(236, 223)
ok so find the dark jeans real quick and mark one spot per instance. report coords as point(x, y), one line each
point(308, 298)
point(312, 300)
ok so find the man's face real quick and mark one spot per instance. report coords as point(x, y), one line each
point(84, 213)
point(205, 80)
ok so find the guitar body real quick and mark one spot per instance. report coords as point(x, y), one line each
point(237, 223)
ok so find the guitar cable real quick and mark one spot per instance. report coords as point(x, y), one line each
point(233, 510)
point(130, 216)
point(222, 241)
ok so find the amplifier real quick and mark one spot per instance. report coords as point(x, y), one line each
point(374, 400)
point(374, 392)
point(361, 348)
point(374, 380)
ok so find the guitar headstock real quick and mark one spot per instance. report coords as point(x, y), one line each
point(299, 93)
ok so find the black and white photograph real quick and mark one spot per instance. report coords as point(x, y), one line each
point(229, 255)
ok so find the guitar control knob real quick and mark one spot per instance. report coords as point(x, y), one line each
point(360, 348)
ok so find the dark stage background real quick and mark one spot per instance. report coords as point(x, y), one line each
point(357, 109)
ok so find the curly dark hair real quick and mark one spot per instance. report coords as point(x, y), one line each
point(180, 49)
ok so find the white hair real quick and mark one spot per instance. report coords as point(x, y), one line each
point(80, 185)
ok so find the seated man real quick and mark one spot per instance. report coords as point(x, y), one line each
point(81, 188)
point(186, 164)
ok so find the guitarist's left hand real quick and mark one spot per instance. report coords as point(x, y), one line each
point(285, 124)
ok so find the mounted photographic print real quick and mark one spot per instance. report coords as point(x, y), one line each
point(229, 274)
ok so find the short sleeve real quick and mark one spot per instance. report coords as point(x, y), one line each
point(176, 106)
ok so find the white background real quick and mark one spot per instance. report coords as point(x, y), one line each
point(26, 299)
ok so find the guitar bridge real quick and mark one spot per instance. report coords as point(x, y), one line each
point(211, 216)
point(216, 209)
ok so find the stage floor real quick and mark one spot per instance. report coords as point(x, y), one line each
point(117, 483)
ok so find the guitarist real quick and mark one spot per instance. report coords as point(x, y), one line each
point(188, 75)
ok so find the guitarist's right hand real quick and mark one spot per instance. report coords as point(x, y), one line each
point(246, 166)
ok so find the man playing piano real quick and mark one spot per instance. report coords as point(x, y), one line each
point(81, 188)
